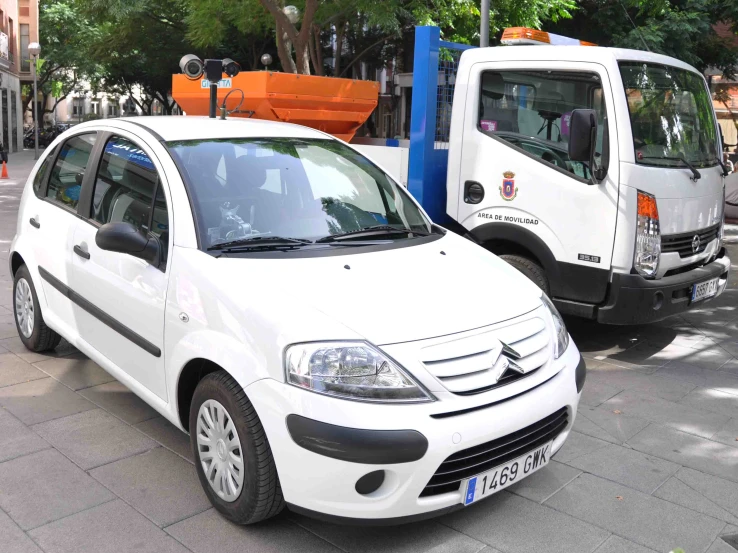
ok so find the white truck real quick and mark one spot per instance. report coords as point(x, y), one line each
point(597, 172)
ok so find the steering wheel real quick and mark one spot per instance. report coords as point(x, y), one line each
point(556, 159)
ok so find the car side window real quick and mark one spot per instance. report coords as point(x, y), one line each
point(532, 109)
point(128, 189)
point(43, 172)
point(65, 182)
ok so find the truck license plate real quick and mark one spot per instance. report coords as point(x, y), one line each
point(499, 478)
point(704, 290)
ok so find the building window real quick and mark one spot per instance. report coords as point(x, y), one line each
point(113, 110)
point(11, 38)
point(95, 108)
point(78, 107)
point(24, 40)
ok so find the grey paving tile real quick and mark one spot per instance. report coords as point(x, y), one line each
point(641, 518)
point(596, 392)
point(168, 435)
point(110, 528)
point(45, 486)
point(158, 483)
point(700, 377)
point(75, 371)
point(671, 390)
point(521, 525)
point(94, 438)
point(606, 425)
point(13, 539)
point(728, 434)
point(209, 532)
point(544, 483)
point(16, 439)
point(712, 357)
point(681, 417)
point(626, 466)
point(718, 490)
point(577, 444)
point(42, 400)
point(721, 546)
point(616, 544)
point(16, 346)
point(13, 370)
point(120, 401)
point(676, 491)
point(647, 355)
point(715, 401)
point(688, 450)
point(429, 536)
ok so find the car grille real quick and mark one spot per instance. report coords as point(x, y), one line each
point(470, 365)
point(481, 458)
point(682, 243)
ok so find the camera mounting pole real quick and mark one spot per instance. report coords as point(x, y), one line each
point(213, 73)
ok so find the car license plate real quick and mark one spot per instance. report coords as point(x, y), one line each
point(704, 290)
point(499, 478)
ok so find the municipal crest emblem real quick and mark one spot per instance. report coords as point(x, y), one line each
point(508, 190)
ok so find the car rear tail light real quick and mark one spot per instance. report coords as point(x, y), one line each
point(648, 236)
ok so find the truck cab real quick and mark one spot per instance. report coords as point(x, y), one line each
point(594, 171)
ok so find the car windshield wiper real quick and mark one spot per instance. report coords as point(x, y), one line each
point(252, 242)
point(377, 230)
point(695, 173)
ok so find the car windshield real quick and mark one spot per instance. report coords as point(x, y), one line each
point(289, 188)
point(670, 115)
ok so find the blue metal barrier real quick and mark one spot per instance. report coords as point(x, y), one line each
point(434, 75)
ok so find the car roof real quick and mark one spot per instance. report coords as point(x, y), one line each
point(189, 127)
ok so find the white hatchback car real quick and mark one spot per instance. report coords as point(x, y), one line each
point(274, 293)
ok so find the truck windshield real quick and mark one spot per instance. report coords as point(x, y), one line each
point(287, 187)
point(670, 114)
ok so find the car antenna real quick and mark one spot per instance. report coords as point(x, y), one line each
point(637, 30)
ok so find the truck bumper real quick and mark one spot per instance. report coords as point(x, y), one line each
point(633, 299)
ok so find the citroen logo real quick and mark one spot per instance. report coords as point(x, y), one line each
point(695, 243)
point(504, 360)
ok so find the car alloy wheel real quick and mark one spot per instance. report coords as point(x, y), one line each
point(24, 313)
point(219, 449)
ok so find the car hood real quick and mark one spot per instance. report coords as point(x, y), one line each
point(403, 294)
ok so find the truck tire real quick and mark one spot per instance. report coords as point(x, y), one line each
point(529, 268)
point(29, 320)
point(221, 412)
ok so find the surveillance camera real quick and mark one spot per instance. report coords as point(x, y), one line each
point(230, 67)
point(191, 66)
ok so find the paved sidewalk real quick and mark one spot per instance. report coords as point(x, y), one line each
point(652, 463)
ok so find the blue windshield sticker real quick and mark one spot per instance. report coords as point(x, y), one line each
point(128, 152)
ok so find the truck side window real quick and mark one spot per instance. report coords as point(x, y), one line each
point(531, 110)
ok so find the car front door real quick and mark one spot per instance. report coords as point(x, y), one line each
point(53, 217)
point(122, 316)
point(517, 148)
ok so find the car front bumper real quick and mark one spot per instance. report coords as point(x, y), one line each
point(322, 446)
point(633, 299)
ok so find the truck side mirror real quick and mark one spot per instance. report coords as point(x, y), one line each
point(582, 135)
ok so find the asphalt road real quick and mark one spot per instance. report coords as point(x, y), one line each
point(652, 463)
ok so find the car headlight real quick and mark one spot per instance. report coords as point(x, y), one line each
point(351, 370)
point(648, 237)
point(562, 336)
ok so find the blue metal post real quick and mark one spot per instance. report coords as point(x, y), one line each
point(423, 113)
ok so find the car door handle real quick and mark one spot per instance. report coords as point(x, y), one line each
point(80, 252)
point(34, 222)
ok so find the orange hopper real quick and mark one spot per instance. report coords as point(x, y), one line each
point(335, 106)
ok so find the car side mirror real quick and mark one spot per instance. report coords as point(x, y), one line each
point(125, 238)
point(583, 138)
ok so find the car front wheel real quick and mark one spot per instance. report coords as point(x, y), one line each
point(32, 329)
point(232, 454)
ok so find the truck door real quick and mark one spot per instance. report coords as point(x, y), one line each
point(536, 201)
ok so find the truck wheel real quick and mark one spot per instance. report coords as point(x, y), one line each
point(529, 268)
point(232, 455)
point(29, 322)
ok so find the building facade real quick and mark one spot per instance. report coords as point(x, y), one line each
point(11, 113)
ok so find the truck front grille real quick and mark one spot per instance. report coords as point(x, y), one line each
point(481, 458)
point(683, 243)
point(471, 365)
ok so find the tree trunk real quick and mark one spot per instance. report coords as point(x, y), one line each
point(313, 54)
point(340, 31)
point(318, 49)
point(285, 56)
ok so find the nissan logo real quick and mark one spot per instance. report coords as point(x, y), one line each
point(695, 243)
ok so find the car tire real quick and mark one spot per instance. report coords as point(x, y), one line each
point(243, 495)
point(529, 268)
point(29, 321)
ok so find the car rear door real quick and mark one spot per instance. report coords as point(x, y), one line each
point(122, 316)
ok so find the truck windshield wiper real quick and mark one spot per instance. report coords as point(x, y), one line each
point(253, 242)
point(377, 230)
point(695, 173)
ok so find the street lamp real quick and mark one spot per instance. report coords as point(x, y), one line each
point(34, 49)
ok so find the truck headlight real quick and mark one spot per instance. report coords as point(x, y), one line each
point(561, 335)
point(648, 237)
point(351, 370)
